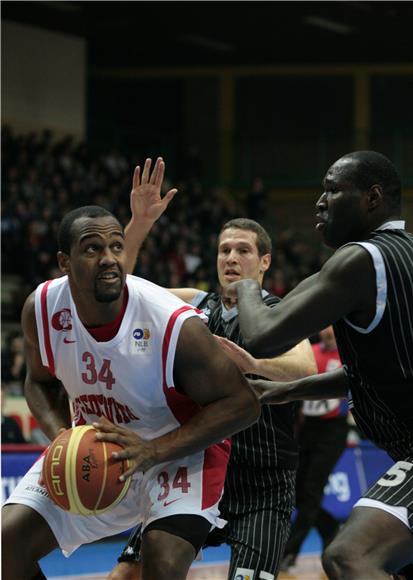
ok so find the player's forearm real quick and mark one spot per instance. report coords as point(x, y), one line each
point(211, 425)
point(135, 234)
point(294, 364)
point(49, 406)
point(329, 385)
point(257, 322)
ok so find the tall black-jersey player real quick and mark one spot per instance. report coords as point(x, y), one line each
point(260, 485)
point(366, 290)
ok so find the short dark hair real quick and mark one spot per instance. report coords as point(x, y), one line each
point(264, 244)
point(371, 167)
point(65, 234)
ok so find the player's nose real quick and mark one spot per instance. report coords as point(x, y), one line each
point(321, 204)
point(107, 257)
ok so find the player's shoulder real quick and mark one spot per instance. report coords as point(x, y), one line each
point(349, 260)
point(29, 303)
point(153, 296)
point(209, 300)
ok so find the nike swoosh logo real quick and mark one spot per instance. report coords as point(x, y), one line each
point(166, 503)
point(67, 341)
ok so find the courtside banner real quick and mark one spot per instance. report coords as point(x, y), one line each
point(357, 469)
point(15, 461)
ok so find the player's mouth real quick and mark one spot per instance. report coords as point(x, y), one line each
point(321, 220)
point(232, 275)
point(109, 277)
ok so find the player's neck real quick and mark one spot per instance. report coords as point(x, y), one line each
point(93, 313)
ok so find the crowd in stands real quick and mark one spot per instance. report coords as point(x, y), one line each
point(43, 178)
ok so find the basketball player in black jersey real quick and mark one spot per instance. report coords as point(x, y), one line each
point(366, 290)
point(260, 484)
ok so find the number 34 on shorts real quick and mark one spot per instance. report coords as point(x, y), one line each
point(173, 486)
point(179, 483)
point(190, 485)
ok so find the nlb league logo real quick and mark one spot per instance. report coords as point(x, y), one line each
point(142, 338)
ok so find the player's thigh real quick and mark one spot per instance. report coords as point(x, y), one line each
point(25, 533)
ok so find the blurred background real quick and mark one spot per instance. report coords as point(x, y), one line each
point(249, 103)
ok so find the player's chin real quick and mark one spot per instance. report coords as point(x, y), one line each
point(108, 294)
point(230, 278)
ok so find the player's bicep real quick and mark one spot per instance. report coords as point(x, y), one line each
point(202, 370)
point(338, 289)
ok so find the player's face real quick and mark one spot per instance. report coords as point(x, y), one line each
point(342, 210)
point(96, 264)
point(238, 257)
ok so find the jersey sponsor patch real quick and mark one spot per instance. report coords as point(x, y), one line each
point(141, 336)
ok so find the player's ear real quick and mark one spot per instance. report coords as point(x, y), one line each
point(63, 262)
point(375, 196)
point(265, 262)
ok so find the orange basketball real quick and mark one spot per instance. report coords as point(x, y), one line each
point(80, 474)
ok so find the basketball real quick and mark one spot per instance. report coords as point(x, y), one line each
point(80, 474)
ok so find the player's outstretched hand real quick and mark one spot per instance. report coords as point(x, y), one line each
point(270, 392)
point(243, 359)
point(146, 201)
point(139, 451)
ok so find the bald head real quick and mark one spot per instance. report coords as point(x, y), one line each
point(367, 168)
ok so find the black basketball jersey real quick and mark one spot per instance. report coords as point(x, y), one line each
point(379, 359)
point(270, 441)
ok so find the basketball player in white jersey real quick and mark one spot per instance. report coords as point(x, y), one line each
point(141, 366)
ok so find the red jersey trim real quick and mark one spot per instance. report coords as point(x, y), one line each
point(214, 472)
point(46, 332)
point(182, 407)
point(216, 457)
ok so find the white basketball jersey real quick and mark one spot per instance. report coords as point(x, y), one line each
point(128, 379)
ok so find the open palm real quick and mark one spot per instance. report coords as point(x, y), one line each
point(146, 200)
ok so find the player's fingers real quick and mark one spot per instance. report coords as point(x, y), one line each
point(229, 346)
point(105, 425)
point(146, 170)
point(169, 196)
point(158, 172)
point(136, 177)
point(128, 472)
point(110, 437)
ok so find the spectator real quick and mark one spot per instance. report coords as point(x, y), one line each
point(10, 430)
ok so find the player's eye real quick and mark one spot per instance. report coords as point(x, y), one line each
point(91, 249)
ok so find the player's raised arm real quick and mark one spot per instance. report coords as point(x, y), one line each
point(147, 205)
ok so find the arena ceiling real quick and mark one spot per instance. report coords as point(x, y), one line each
point(217, 33)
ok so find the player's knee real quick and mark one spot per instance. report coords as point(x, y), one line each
point(337, 559)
